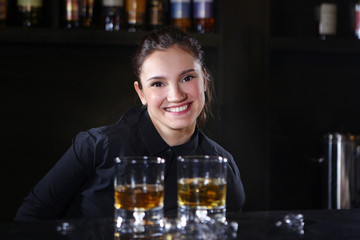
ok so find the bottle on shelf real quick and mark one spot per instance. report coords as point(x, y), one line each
point(86, 13)
point(29, 12)
point(357, 19)
point(203, 16)
point(180, 14)
point(112, 14)
point(70, 13)
point(3, 12)
point(135, 14)
point(157, 13)
point(326, 18)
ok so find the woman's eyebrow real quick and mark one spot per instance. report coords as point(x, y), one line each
point(162, 77)
point(187, 71)
point(155, 78)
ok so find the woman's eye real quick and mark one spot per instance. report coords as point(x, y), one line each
point(157, 84)
point(188, 78)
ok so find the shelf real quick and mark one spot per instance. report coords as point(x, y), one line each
point(315, 45)
point(86, 37)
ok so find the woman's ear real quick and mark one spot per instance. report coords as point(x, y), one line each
point(140, 92)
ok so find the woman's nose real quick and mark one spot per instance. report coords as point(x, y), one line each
point(176, 94)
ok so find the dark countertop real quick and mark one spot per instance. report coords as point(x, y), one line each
point(318, 224)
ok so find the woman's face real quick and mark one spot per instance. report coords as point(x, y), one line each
point(173, 88)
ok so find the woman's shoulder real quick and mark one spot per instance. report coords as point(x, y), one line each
point(126, 126)
point(100, 143)
point(128, 122)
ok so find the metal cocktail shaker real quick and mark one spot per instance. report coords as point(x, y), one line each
point(342, 156)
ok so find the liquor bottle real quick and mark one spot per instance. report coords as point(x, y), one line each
point(3, 12)
point(357, 19)
point(327, 19)
point(112, 14)
point(86, 12)
point(70, 13)
point(203, 16)
point(180, 14)
point(135, 14)
point(157, 13)
point(29, 12)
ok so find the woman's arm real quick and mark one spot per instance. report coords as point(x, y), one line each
point(51, 195)
point(235, 195)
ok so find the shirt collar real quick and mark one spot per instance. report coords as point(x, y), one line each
point(189, 147)
point(155, 144)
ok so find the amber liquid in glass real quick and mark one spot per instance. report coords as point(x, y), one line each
point(140, 197)
point(205, 193)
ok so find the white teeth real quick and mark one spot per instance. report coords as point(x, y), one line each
point(177, 109)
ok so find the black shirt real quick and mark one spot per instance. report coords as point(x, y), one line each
point(81, 182)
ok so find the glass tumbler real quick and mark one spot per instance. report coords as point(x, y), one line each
point(201, 188)
point(139, 195)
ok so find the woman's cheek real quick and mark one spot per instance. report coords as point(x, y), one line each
point(157, 98)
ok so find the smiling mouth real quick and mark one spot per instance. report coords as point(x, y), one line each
point(177, 109)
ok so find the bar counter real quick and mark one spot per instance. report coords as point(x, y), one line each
point(261, 225)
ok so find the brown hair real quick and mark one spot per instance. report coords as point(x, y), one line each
point(165, 38)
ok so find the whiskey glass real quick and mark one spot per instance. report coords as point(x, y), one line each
point(139, 195)
point(201, 188)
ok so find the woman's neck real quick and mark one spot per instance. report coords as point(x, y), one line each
point(175, 137)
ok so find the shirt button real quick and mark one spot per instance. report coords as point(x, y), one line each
point(169, 150)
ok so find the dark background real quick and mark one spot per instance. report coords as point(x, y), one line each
point(279, 90)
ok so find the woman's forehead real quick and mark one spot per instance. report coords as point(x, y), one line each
point(170, 60)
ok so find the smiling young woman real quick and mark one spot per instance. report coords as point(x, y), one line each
point(175, 90)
